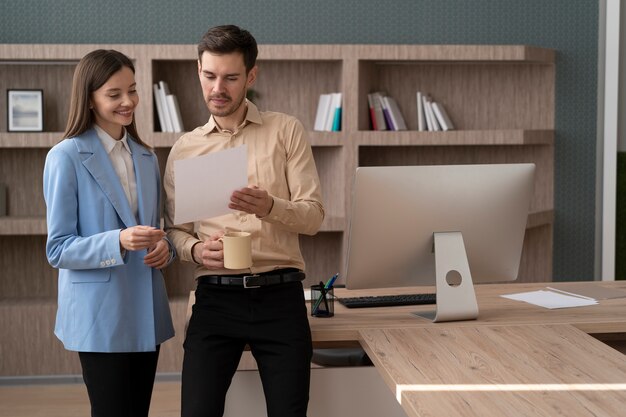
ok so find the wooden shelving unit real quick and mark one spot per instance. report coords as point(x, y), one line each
point(500, 98)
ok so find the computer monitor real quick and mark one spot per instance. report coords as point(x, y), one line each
point(432, 225)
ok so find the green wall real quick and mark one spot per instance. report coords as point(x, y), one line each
point(569, 26)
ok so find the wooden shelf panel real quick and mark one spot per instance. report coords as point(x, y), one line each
point(30, 322)
point(327, 138)
point(457, 53)
point(321, 139)
point(162, 139)
point(454, 138)
point(29, 140)
point(540, 218)
point(14, 226)
point(11, 226)
point(386, 138)
point(41, 53)
point(333, 224)
point(476, 96)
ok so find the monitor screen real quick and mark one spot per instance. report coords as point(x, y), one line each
point(397, 210)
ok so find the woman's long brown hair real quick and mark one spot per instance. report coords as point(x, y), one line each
point(93, 70)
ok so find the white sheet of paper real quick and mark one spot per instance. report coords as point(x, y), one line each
point(204, 183)
point(551, 299)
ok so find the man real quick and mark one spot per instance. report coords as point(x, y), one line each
point(282, 201)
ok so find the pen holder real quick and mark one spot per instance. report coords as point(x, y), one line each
point(322, 301)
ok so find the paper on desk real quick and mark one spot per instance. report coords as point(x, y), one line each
point(204, 183)
point(551, 299)
point(588, 290)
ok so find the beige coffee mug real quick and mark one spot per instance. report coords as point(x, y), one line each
point(237, 250)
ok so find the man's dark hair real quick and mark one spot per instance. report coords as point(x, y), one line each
point(227, 39)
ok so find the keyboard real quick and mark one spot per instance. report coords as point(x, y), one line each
point(388, 300)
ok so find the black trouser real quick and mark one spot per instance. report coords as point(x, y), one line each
point(273, 321)
point(119, 384)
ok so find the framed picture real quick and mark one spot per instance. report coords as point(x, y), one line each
point(25, 110)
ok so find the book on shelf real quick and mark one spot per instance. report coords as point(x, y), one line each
point(323, 108)
point(431, 121)
point(159, 106)
point(442, 116)
point(386, 114)
point(397, 120)
point(168, 110)
point(174, 110)
point(376, 111)
point(421, 116)
point(166, 124)
point(333, 122)
point(431, 115)
point(328, 116)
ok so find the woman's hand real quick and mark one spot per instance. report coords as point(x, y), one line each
point(140, 237)
point(158, 255)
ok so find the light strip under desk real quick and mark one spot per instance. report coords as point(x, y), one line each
point(400, 389)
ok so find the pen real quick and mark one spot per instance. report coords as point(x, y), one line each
point(331, 281)
point(328, 284)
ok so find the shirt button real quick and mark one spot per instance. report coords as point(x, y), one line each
point(243, 219)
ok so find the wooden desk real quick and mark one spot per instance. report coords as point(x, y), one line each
point(606, 320)
point(530, 370)
point(505, 355)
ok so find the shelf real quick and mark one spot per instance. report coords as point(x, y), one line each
point(500, 97)
point(364, 138)
point(540, 218)
point(327, 138)
point(14, 226)
point(162, 139)
point(29, 139)
point(457, 53)
point(167, 139)
point(456, 138)
point(333, 224)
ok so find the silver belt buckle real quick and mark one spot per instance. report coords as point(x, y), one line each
point(245, 281)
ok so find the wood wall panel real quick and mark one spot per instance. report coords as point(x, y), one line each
point(501, 97)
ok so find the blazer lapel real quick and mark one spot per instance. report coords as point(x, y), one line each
point(97, 162)
point(146, 185)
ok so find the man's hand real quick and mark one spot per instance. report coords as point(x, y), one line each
point(158, 255)
point(140, 237)
point(210, 253)
point(253, 200)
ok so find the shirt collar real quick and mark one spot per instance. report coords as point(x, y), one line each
point(252, 116)
point(108, 142)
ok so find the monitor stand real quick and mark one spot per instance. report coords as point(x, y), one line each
point(455, 301)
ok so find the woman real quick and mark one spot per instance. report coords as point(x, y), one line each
point(102, 191)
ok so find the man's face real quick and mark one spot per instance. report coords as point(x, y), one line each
point(224, 82)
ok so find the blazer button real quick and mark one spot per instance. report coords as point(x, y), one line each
point(113, 261)
point(102, 264)
point(108, 262)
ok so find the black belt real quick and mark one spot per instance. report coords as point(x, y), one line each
point(253, 280)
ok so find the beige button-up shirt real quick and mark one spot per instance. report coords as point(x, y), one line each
point(281, 162)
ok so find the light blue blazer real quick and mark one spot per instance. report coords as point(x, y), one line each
point(106, 302)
